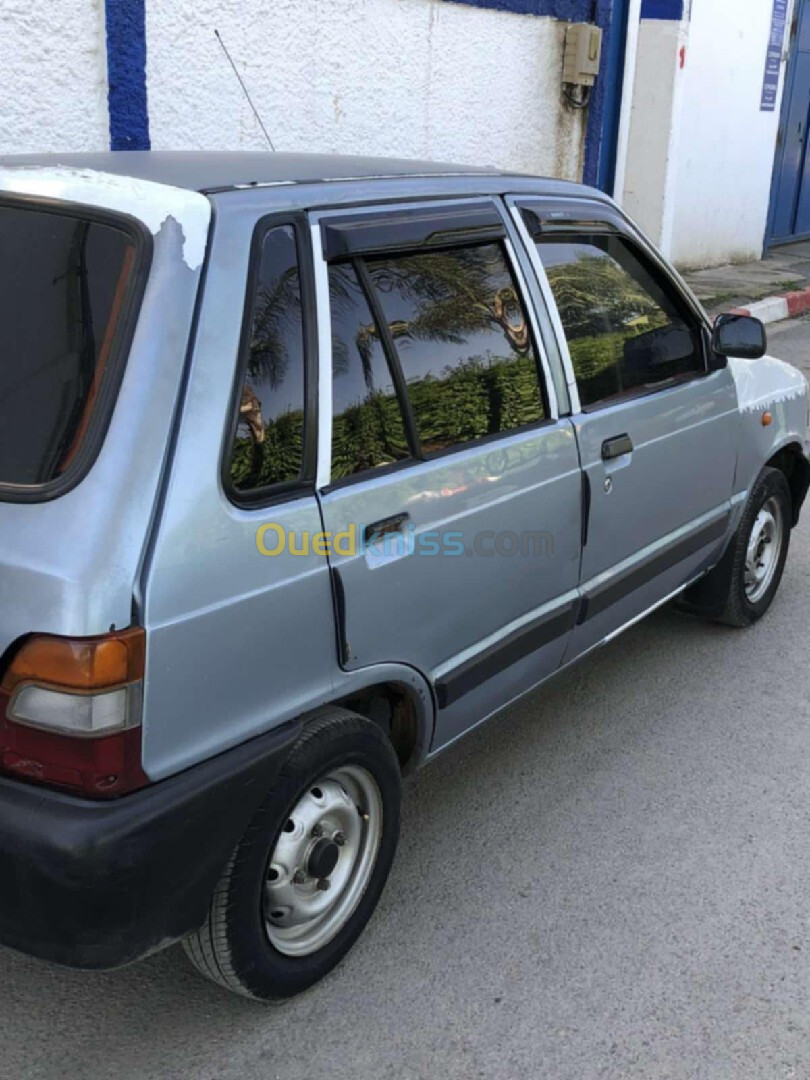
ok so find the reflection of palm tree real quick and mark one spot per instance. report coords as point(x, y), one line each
point(343, 289)
point(453, 295)
point(277, 318)
point(595, 295)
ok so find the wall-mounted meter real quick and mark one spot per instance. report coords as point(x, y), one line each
point(583, 50)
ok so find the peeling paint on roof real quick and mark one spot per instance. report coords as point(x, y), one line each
point(149, 202)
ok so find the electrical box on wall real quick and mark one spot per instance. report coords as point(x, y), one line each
point(583, 51)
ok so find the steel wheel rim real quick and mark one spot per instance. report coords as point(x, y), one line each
point(762, 551)
point(322, 861)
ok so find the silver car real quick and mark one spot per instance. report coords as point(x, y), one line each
point(308, 465)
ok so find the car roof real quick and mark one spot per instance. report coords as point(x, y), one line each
point(223, 170)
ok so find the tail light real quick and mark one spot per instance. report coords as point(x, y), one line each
point(70, 712)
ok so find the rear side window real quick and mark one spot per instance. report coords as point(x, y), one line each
point(268, 444)
point(65, 283)
point(626, 331)
point(431, 351)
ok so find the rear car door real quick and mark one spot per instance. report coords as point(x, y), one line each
point(449, 486)
point(656, 427)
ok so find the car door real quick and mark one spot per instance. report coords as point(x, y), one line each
point(656, 427)
point(449, 486)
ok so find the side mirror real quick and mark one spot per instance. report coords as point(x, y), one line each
point(739, 335)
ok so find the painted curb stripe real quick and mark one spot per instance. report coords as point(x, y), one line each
point(776, 308)
point(798, 302)
point(126, 74)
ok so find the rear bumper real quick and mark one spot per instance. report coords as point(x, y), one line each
point(99, 884)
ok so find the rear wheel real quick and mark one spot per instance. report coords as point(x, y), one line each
point(307, 875)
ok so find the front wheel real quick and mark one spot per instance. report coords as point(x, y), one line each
point(307, 875)
point(758, 550)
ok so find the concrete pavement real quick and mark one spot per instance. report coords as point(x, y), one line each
point(608, 881)
point(783, 269)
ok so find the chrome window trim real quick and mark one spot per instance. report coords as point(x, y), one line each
point(548, 297)
point(323, 453)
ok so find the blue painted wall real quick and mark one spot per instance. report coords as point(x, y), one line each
point(662, 9)
point(126, 74)
point(598, 118)
point(570, 10)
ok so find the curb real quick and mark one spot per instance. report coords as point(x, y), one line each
point(776, 308)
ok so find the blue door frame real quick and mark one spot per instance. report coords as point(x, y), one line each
point(789, 213)
point(603, 121)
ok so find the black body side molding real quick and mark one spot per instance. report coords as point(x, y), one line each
point(467, 676)
point(595, 601)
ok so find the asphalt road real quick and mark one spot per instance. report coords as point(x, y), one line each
point(609, 880)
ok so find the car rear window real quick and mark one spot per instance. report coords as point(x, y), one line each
point(64, 282)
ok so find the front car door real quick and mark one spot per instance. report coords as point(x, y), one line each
point(656, 428)
point(449, 486)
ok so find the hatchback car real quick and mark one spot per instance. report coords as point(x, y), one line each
point(308, 465)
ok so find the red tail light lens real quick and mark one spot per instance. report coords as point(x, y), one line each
point(71, 713)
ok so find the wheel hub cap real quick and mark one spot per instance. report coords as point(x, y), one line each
point(323, 859)
point(763, 549)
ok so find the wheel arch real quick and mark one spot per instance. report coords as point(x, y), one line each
point(792, 462)
point(395, 708)
point(396, 698)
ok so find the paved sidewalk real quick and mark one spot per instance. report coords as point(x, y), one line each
point(784, 270)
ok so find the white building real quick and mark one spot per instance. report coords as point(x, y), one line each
point(674, 127)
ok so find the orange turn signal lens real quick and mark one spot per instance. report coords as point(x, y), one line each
point(79, 663)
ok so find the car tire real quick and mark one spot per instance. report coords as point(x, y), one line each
point(306, 876)
point(748, 576)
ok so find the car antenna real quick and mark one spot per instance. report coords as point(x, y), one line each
point(244, 89)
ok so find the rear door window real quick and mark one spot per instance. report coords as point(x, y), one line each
point(65, 284)
point(430, 351)
point(462, 337)
point(368, 429)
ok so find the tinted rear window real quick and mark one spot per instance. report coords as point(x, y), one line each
point(64, 281)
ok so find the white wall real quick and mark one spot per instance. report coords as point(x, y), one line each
point(722, 171)
point(653, 130)
point(54, 83)
point(413, 78)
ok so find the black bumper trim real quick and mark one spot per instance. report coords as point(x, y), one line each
point(99, 884)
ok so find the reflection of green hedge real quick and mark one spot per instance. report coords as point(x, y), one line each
point(591, 355)
point(275, 460)
point(479, 397)
point(596, 359)
point(367, 435)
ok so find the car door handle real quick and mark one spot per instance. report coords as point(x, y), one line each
point(384, 527)
point(615, 447)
